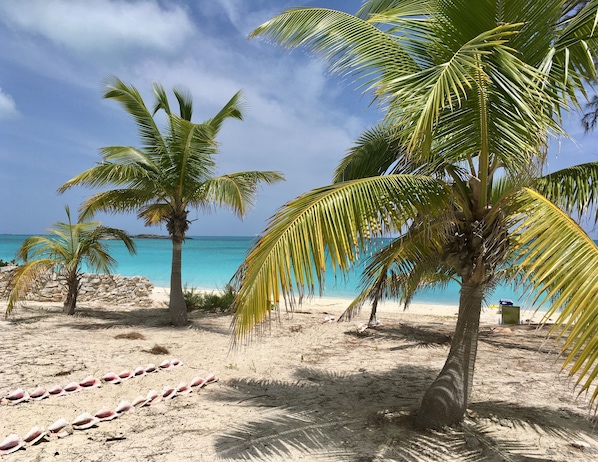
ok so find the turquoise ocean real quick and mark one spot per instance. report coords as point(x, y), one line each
point(209, 262)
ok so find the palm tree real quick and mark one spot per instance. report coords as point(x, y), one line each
point(170, 173)
point(472, 90)
point(64, 252)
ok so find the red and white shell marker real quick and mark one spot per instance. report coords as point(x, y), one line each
point(111, 377)
point(125, 406)
point(34, 435)
point(106, 414)
point(183, 389)
point(56, 390)
point(72, 387)
point(166, 365)
point(139, 371)
point(59, 428)
point(11, 444)
point(198, 382)
point(17, 396)
point(150, 368)
point(39, 393)
point(90, 382)
point(125, 375)
point(84, 421)
point(168, 392)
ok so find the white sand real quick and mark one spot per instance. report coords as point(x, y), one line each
point(309, 390)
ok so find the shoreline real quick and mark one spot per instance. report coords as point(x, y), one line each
point(336, 306)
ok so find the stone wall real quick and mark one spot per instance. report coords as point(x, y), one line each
point(109, 289)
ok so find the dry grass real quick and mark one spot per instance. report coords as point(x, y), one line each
point(157, 350)
point(131, 336)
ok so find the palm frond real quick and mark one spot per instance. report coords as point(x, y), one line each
point(68, 246)
point(349, 44)
point(334, 222)
point(561, 265)
point(402, 268)
point(126, 166)
point(394, 8)
point(373, 154)
point(25, 277)
point(232, 109)
point(192, 148)
point(161, 99)
point(133, 104)
point(116, 200)
point(574, 189)
point(183, 96)
point(155, 213)
point(235, 191)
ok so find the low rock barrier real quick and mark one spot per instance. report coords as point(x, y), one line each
point(112, 289)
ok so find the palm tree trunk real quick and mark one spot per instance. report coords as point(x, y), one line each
point(177, 305)
point(70, 303)
point(446, 400)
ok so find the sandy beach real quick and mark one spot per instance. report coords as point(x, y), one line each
point(309, 390)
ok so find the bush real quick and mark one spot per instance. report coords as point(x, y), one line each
point(212, 302)
point(7, 263)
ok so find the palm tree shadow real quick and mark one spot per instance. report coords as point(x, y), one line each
point(369, 417)
point(142, 317)
point(430, 334)
point(427, 335)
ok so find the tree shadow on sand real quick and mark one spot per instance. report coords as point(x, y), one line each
point(123, 318)
point(430, 334)
point(369, 417)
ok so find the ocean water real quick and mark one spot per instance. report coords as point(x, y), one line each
point(210, 263)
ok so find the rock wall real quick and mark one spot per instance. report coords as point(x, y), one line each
point(109, 289)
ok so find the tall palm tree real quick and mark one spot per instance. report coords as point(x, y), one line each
point(64, 252)
point(472, 90)
point(170, 173)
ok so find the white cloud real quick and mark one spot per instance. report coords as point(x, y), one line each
point(245, 15)
point(8, 108)
point(101, 26)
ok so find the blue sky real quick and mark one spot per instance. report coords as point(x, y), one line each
point(55, 54)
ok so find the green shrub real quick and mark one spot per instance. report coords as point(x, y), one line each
point(7, 263)
point(212, 302)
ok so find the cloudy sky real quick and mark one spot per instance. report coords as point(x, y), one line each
point(55, 54)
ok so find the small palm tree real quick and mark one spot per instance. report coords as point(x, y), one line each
point(169, 174)
point(472, 91)
point(64, 252)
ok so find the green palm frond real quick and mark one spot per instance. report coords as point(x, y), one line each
point(231, 110)
point(183, 96)
point(115, 201)
point(483, 89)
point(388, 11)
point(236, 191)
point(127, 156)
point(582, 27)
point(103, 232)
point(161, 99)
point(336, 222)
point(24, 277)
point(131, 100)
point(192, 148)
point(349, 44)
point(154, 213)
point(373, 154)
point(400, 269)
point(127, 166)
point(560, 264)
point(67, 247)
point(574, 189)
point(569, 60)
